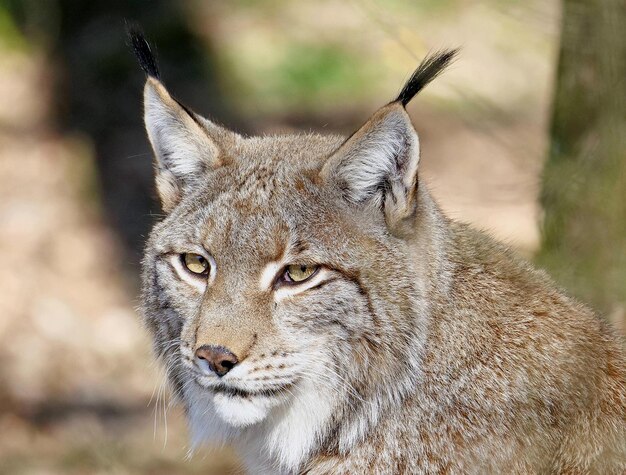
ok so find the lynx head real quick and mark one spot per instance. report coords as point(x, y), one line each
point(282, 286)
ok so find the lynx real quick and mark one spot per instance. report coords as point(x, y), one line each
point(317, 311)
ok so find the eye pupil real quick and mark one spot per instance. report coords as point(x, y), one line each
point(196, 263)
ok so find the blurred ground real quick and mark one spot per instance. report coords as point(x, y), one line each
point(77, 382)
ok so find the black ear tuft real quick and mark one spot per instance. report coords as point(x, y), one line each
point(142, 50)
point(430, 67)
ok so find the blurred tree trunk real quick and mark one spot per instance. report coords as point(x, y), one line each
point(98, 90)
point(584, 182)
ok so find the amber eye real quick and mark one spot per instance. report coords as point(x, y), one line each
point(299, 273)
point(195, 263)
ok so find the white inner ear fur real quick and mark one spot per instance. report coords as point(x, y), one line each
point(180, 144)
point(384, 151)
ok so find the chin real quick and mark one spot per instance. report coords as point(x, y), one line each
point(239, 411)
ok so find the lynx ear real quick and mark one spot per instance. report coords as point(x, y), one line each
point(183, 147)
point(378, 163)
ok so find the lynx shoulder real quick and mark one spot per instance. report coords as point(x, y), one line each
point(316, 310)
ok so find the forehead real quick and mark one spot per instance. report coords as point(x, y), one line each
point(264, 197)
point(263, 173)
point(281, 156)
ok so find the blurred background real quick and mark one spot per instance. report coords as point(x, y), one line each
point(524, 137)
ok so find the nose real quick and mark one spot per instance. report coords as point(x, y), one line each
point(220, 359)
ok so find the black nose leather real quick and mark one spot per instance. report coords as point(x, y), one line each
point(220, 359)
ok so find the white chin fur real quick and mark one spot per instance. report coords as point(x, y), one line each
point(282, 436)
point(240, 412)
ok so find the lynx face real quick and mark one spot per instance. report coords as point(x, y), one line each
point(266, 209)
point(267, 285)
point(250, 220)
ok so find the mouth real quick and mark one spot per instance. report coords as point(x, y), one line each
point(244, 393)
point(241, 407)
point(269, 390)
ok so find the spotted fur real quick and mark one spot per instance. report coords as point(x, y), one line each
point(420, 345)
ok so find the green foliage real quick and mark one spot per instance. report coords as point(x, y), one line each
point(302, 77)
point(308, 72)
point(10, 36)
